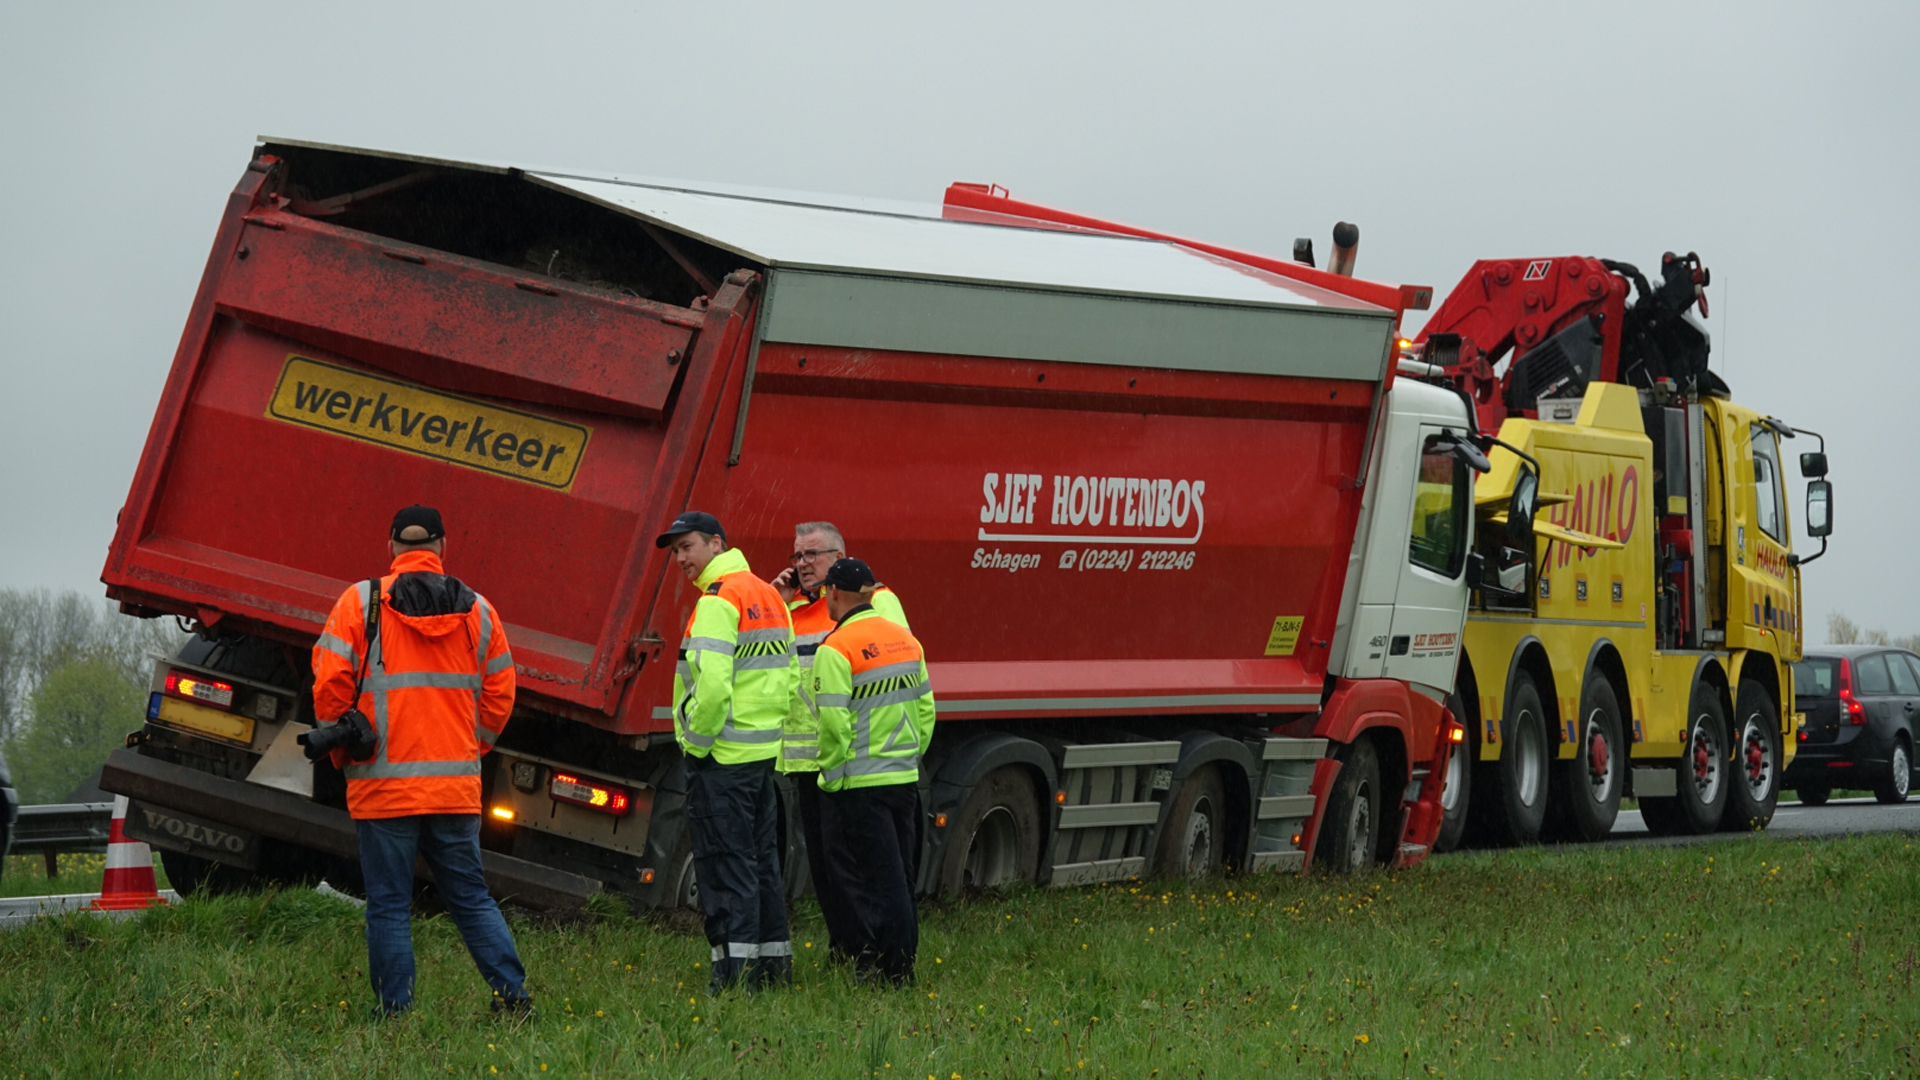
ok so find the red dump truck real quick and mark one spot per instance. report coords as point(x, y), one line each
point(1190, 566)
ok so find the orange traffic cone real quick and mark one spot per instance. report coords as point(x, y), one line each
point(128, 883)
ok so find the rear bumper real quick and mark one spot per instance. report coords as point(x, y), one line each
point(290, 818)
point(1855, 758)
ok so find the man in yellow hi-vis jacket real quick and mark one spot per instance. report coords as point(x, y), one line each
point(876, 712)
point(731, 692)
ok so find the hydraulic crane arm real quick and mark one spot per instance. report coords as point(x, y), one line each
point(1566, 322)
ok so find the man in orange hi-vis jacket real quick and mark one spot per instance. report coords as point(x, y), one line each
point(427, 662)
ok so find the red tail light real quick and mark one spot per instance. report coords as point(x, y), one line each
point(192, 687)
point(1856, 712)
point(593, 795)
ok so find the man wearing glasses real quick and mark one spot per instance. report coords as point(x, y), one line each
point(816, 545)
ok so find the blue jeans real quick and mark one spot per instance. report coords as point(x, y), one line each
point(450, 843)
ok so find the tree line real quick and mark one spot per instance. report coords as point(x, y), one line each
point(1844, 631)
point(74, 675)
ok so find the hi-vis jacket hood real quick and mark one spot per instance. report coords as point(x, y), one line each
point(436, 679)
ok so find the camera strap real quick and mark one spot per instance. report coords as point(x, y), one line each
point(372, 622)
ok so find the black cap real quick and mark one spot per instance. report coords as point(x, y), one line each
point(425, 517)
point(690, 521)
point(850, 574)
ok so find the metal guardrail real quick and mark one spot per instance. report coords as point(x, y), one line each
point(54, 829)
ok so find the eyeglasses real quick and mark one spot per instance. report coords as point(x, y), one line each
point(803, 556)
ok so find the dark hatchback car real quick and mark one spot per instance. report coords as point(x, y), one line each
point(1863, 714)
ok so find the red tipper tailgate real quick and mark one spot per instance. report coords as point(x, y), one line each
point(328, 377)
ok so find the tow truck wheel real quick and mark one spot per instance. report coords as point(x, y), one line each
point(1456, 792)
point(1704, 764)
point(1350, 831)
point(1194, 837)
point(995, 838)
point(1516, 786)
point(1754, 790)
point(1593, 779)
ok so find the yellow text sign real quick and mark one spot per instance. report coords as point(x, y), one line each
point(1285, 635)
point(402, 416)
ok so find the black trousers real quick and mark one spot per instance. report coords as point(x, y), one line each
point(733, 815)
point(836, 907)
point(873, 843)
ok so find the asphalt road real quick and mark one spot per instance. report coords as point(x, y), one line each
point(1792, 821)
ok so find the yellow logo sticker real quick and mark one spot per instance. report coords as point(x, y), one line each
point(1285, 635)
point(479, 435)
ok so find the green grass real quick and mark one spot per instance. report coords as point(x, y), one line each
point(26, 875)
point(1749, 958)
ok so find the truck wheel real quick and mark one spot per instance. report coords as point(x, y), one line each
point(1350, 830)
point(1456, 792)
point(1515, 787)
point(1704, 765)
point(1892, 786)
point(1754, 789)
point(683, 889)
point(995, 838)
point(1592, 781)
point(1194, 836)
point(1662, 815)
point(1814, 794)
point(191, 875)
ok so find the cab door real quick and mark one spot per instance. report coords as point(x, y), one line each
point(1429, 608)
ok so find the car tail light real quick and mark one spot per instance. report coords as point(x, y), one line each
point(605, 798)
point(1856, 712)
point(192, 687)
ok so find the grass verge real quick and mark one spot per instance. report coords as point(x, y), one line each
point(1748, 958)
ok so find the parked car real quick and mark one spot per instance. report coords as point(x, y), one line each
point(1863, 714)
point(9, 812)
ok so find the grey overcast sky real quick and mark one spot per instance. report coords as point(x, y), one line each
point(1780, 141)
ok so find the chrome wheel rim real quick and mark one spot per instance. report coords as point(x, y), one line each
point(1199, 840)
point(1530, 771)
point(1456, 776)
point(1705, 761)
point(1360, 829)
point(1756, 759)
point(1902, 770)
point(1603, 760)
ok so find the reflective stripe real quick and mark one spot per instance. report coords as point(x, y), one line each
point(737, 950)
point(337, 647)
point(480, 733)
point(412, 680)
point(391, 770)
point(886, 671)
point(896, 697)
point(709, 644)
point(485, 736)
point(704, 742)
point(872, 767)
point(685, 671)
point(500, 663)
point(761, 663)
point(833, 701)
point(794, 751)
point(770, 633)
point(776, 948)
point(748, 735)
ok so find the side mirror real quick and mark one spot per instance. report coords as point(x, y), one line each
point(1520, 511)
point(1813, 464)
point(1819, 503)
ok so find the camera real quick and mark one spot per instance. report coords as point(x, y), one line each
point(353, 732)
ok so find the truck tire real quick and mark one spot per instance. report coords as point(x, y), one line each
point(1515, 787)
point(1705, 766)
point(1456, 792)
point(191, 875)
point(1892, 785)
point(1814, 794)
point(1350, 831)
point(994, 840)
point(1754, 790)
point(1592, 780)
point(1193, 839)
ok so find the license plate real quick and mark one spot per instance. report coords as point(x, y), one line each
point(221, 725)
